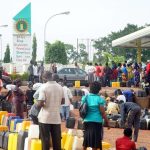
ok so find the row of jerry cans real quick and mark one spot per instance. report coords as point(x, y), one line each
point(19, 141)
point(15, 124)
point(9, 121)
point(15, 141)
point(5, 119)
point(71, 142)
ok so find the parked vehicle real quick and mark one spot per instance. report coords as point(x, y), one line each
point(71, 75)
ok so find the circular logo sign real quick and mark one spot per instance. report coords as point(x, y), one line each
point(21, 26)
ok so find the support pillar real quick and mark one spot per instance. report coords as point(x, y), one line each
point(139, 50)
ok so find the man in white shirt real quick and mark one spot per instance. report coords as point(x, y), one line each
point(90, 72)
point(51, 96)
point(65, 108)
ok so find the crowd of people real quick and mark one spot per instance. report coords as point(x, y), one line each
point(100, 108)
point(47, 104)
point(36, 71)
point(132, 73)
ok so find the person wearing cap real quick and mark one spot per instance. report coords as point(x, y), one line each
point(125, 143)
point(50, 98)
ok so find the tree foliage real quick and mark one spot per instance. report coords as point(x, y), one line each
point(105, 44)
point(7, 55)
point(56, 53)
point(34, 48)
point(47, 51)
point(83, 55)
point(72, 54)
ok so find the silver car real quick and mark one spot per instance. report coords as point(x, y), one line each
point(72, 74)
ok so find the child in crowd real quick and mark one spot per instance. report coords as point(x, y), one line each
point(125, 141)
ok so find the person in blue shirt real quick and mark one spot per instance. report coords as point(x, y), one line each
point(94, 118)
point(129, 94)
point(124, 70)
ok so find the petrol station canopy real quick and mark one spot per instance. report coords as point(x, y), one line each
point(130, 40)
point(139, 39)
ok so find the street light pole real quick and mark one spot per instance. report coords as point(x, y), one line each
point(62, 13)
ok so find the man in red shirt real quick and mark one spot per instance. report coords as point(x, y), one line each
point(148, 67)
point(97, 71)
point(125, 143)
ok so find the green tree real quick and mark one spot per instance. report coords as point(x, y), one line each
point(98, 58)
point(72, 54)
point(83, 55)
point(34, 48)
point(47, 52)
point(70, 51)
point(108, 57)
point(7, 55)
point(56, 53)
point(105, 44)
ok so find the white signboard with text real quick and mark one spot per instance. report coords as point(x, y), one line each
point(22, 48)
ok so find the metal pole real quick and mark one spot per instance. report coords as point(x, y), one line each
point(77, 49)
point(139, 51)
point(88, 49)
point(63, 13)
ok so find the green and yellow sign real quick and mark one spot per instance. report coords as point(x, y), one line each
point(21, 26)
point(22, 47)
point(22, 21)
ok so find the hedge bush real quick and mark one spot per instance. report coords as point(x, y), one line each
point(23, 77)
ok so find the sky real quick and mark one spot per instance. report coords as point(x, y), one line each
point(88, 19)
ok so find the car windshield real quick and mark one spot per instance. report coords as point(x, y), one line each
point(80, 71)
point(67, 71)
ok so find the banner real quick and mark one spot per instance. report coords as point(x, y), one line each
point(22, 47)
